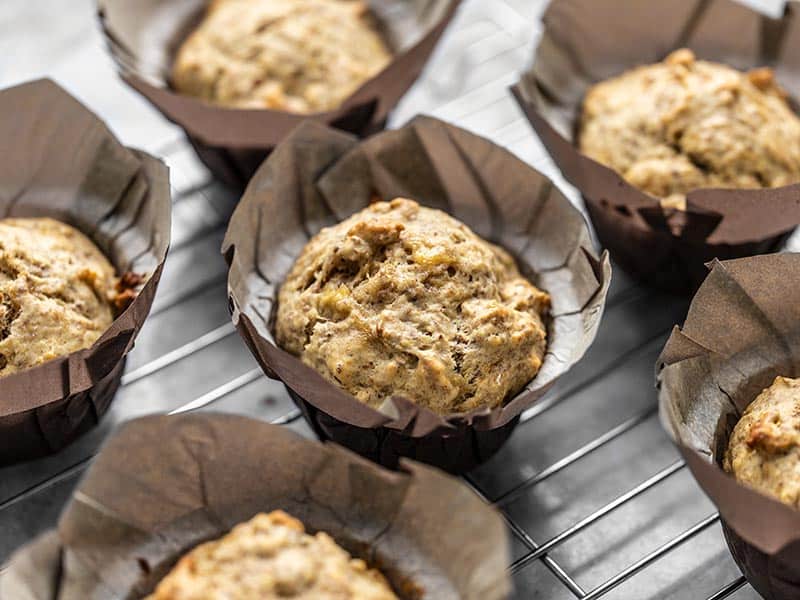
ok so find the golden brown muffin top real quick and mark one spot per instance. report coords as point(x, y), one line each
point(764, 448)
point(405, 300)
point(271, 557)
point(683, 124)
point(57, 292)
point(296, 55)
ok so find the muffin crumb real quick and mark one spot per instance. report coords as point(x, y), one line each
point(683, 56)
point(126, 290)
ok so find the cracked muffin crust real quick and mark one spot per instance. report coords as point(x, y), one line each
point(301, 56)
point(57, 292)
point(764, 448)
point(683, 124)
point(271, 557)
point(404, 300)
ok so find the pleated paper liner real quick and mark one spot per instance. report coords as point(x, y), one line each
point(587, 41)
point(318, 177)
point(60, 161)
point(143, 37)
point(742, 330)
point(163, 485)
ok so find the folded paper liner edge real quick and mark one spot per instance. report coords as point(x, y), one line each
point(196, 481)
point(586, 41)
point(119, 197)
point(319, 176)
point(252, 129)
point(703, 371)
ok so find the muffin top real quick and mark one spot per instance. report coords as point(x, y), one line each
point(301, 56)
point(57, 292)
point(683, 124)
point(405, 300)
point(271, 557)
point(764, 448)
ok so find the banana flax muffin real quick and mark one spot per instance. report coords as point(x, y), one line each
point(683, 124)
point(405, 300)
point(58, 292)
point(764, 448)
point(301, 56)
point(271, 557)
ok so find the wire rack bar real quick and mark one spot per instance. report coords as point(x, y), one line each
point(180, 353)
point(656, 554)
point(43, 485)
point(550, 401)
point(730, 589)
point(575, 456)
point(221, 391)
point(596, 515)
point(176, 298)
point(557, 570)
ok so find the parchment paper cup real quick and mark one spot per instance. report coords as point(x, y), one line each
point(60, 161)
point(587, 41)
point(162, 485)
point(143, 37)
point(319, 177)
point(742, 330)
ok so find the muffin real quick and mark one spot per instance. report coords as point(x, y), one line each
point(272, 557)
point(404, 300)
point(58, 292)
point(301, 56)
point(683, 124)
point(764, 448)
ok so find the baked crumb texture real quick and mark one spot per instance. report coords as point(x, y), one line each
point(269, 557)
point(684, 123)
point(58, 292)
point(764, 448)
point(301, 56)
point(405, 300)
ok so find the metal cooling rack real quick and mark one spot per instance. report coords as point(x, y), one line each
point(595, 495)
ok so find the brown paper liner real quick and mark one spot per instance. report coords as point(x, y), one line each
point(742, 330)
point(587, 41)
point(143, 37)
point(163, 484)
point(319, 177)
point(60, 161)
